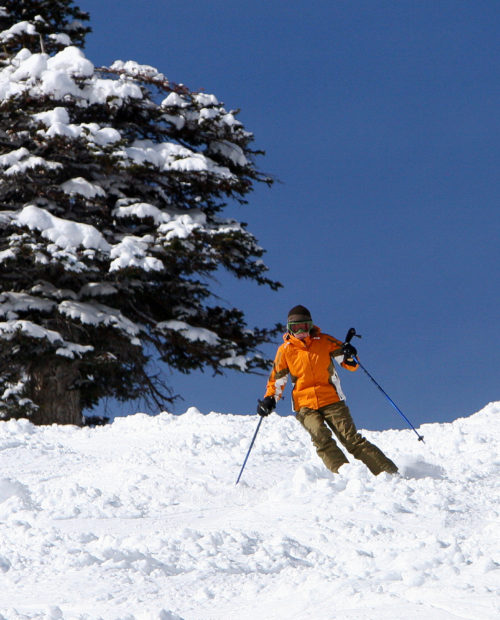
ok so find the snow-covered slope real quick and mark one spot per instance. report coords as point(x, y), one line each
point(142, 520)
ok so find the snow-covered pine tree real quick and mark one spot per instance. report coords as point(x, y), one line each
point(112, 181)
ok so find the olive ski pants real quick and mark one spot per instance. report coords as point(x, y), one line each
point(337, 418)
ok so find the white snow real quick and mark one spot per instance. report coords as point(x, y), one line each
point(170, 156)
point(60, 38)
point(182, 226)
point(7, 254)
point(99, 314)
point(142, 519)
point(230, 150)
point(171, 224)
point(56, 78)
point(174, 100)
point(64, 233)
point(131, 251)
point(56, 122)
point(58, 116)
point(12, 303)
point(17, 30)
point(141, 210)
point(20, 160)
point(31, 67)
point(104, 90)
point(9, 329)
point(189, 332)
point(134, 69)
point(81, 186)
point(46, 289)
point(205, 99)
point(72, 61)
point(239, 361)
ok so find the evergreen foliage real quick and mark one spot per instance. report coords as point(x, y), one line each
point(112, 184)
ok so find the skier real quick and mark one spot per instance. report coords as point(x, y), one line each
point(318, 401)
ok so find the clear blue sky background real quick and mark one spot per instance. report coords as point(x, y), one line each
point(381, 121)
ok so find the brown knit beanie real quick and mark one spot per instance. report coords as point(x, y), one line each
point(299, 313)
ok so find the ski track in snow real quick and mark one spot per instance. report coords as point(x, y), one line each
point(142, 519)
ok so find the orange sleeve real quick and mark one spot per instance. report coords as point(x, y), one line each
point(279, 375)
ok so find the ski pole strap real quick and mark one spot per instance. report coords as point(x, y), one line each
point(420, 437)
point(249, 449)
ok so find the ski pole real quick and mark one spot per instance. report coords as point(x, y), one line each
point(249, 449)
point(350, 334)
point(420, 437)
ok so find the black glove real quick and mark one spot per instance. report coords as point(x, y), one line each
point(266, 405)
point(349, 353)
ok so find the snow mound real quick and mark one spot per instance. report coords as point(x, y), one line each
point(142, 519)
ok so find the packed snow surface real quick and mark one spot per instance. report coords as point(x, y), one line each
point(142, 519)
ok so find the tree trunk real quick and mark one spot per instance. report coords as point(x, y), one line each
point(51, 389)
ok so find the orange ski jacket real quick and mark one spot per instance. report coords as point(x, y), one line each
point(309, 363)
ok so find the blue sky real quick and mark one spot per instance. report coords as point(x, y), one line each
point(380, 121)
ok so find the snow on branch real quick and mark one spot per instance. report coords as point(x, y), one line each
point(201, 334)
point(13, 328)
point(135, 70)
point(17, 30)
point(82, 187)
point(57, 76)
point(96, 314)
point(20, 160)
point(64, 233)
point(168, 156)
point(131, 251)
point(11, 304)
point(189, 332)
point(100, 315)
point(56, 122)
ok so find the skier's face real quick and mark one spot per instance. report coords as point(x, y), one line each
point(300, 329)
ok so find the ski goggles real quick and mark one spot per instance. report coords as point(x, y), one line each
point(298, 327)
